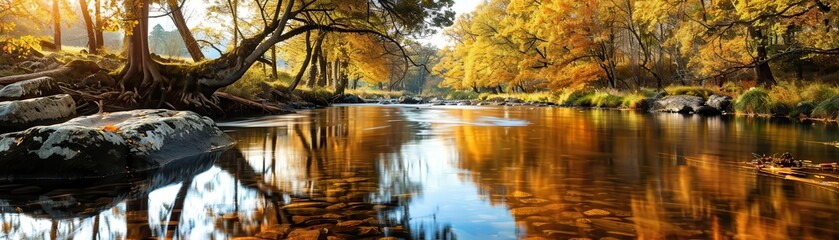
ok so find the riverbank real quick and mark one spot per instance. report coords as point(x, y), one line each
point(814, 102)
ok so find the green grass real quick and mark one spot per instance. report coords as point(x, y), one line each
point(827, 109)
point(754, 101)
point(634, 101)
point(462, 95)
point(818, 92)
point(690, 90)
point(527, 97)
point(374, 94)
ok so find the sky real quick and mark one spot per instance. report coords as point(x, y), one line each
point(193, 9)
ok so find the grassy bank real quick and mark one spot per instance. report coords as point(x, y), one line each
point(809, 101)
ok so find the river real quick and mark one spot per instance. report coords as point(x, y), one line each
point(465, 172)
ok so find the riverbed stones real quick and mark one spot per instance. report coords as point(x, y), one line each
point(33, 88)
point(110, 143)
point(678, 104)
point(22, 114)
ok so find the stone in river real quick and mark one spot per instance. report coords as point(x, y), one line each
point(520, 194)
point(336, 206)
point(596, 212)
point(533, 200)
point(306, 204)
point(277, 231)
point(570, 215)
point(302, 234)
point(368, 231)
point(23, 114)
point(527, 211)
point(305, 211)
point(109, 143)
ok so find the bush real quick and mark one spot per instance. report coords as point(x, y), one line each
point(375, 94)
point(754, 101)
point(818, 92)
point(573, 97)
point(827, 109)
point(634, 101)
point(462, 95)
point(602, 99)
point(689, 90)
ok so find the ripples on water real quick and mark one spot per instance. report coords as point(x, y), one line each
point(469, 172)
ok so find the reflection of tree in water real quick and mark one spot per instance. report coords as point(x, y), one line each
point(596, 174)
point(334, 161)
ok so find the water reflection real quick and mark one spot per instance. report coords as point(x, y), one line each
point(441, 172)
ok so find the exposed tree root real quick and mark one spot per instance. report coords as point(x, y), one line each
point(77, 69)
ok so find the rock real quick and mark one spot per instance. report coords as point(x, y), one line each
point(277, 231)
point(707, 111)
point(527, 211)
point(533, 200)
point(349, 98)
point(302, 234)
point(520, 194)
point(570, 215)
point(804, 108)
point(410, 100)
point(109, 143)
point(305, 211)
point(336, 206)
point(678, 104)
point(596, 212)
point(720, 102)
point(22, 114)
point(33, 88)
point(306, 205)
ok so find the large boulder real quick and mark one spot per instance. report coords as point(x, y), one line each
point(678, 104)
point(38, 87)
point(109, 143)
point(348, 98)
point(410, 100)
point(720, 102)
point(23, 114)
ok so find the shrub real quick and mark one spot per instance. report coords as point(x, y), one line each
point(574, 97)
point(689, 90)
point(827, 109)
point(602, 99)
point(462, 95)
point(754, 101)
point(634, 101)
point(818, 92)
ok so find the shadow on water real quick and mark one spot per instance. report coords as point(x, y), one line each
point(455, 172)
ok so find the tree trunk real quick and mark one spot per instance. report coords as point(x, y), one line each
point(303, 66)
point(323, 69)
point(274, 62)
point(235, 11)
point(763, 73)
point(56, 17)
point(88, 23)
point(99, 28)
point(190, 42)
point(343, 79)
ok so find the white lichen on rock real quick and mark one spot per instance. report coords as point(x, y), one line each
point(37, 109)
point(29, 88)
point(137, 139)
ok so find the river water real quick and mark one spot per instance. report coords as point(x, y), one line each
point(464, 172)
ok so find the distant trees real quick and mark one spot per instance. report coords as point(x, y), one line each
point(524, 45)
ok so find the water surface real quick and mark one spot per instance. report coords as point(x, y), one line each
point(470, 172)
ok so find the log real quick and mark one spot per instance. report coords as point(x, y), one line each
point(73, 68)
point(250, 104)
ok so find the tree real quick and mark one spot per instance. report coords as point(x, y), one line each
point(91, 35)
point(56, 18)
point(196, 83)
point(190, 42)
